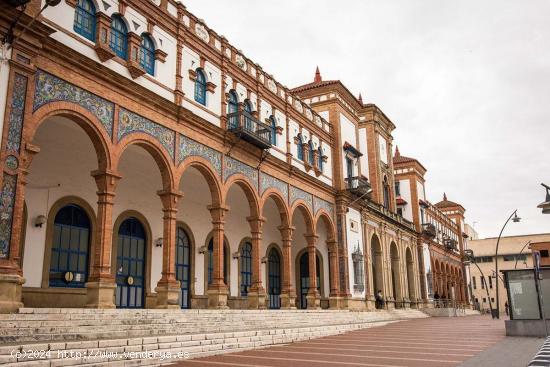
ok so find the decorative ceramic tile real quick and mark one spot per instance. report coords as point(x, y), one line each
point(189, 147)
point(7, 200)
point(296, 194)
point(17, 112)
point(239, 60)
point(268, 182)
point(129, 122)
point(12, 162)
point(272, 86)
point(51, 89)
point(233, 166)
point(319, 204)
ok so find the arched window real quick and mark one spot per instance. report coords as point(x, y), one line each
point(71, 240)
point(246, 268)
point(320, 159)
point(232, 109)
point(119, 37)
point(273, 125)
point(84, 19)
point(183, 266)
point(300, 148)
point(200, 87)
point(311, 153)
point(147, 56)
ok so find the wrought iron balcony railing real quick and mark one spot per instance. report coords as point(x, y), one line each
point(358, 185)
point(248, 128)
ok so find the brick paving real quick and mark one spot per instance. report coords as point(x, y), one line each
point(426, 342)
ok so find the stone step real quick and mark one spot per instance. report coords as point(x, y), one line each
point(109, 353)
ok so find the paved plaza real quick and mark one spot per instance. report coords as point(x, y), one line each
point(463, 341)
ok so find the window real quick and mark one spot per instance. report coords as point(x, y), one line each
point(349, 167)
point(400, 211)
point(147, 56)
point(232, 109)
point(386, 193)
point(311, 153)
point(543, 253)
point(84, 19)
point(483, 259)
point(482, 283)
point(273, 124)
point(474, 282)
point(492, 299)
point(200, 87)
point(397, 189)
point(119, 37)
point(246, 268)
point(248, 115)
point(484, 299)
point(491, 282)
point(320, 158)
point(69, 256)
point(300, 148)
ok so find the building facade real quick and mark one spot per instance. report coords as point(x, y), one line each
point(147, 162)
point(514, 253)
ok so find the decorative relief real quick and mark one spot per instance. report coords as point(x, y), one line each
point(272, 86)
point(267, 182)
point(202, 33)
point(262, 78)
point(318, 121)
point(239, 60)
point(17, 112)
point(51, 89)
point(129, 122)
point(296, 194)
point(7, 200)
point(228, 52)
point(309, 115)
point(233, 166)
point(319, 204)
point(189, 147)
point(186, 21)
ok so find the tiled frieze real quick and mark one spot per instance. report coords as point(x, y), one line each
point(267, 182)
point(233, 166)
point(319, 204)
point(52, 89)
point(297, 194)
point(17, 112)
point(129, 122)
point(189, 147)
point(7, 200)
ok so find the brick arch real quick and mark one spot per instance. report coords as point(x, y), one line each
point(153, 147)
point(277, 197)
point(83, 118)
point(249, 191)
point(207, 171)
point(324, 216)
point(301, 206)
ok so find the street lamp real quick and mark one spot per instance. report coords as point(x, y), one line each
point(545, 205)
point(515, 219)
point(469, 258)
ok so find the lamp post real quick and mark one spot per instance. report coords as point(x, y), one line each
point(470, 258)
point(515, 219)
point(523, 248)
point(545, 205)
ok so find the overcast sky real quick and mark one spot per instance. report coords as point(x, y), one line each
point(467, 83)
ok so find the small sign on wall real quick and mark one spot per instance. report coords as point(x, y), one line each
point(353, 225)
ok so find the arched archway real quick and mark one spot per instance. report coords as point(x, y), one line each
point(304, 240)
point(274, 271)
point(395, 272)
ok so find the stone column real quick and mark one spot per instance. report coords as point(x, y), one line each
point(313, 297)
point(334, 297)
point(168, 287)
point(218, 290)
point(257, 294)
point(101, 284)
point(288, 293)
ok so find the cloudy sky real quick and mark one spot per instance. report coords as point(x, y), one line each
point(467, 83)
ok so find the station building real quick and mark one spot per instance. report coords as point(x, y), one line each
point(148, 163)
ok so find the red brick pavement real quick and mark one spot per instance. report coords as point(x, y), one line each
point(426, 342)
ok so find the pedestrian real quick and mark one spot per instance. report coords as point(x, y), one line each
point(379, 300)
point(506, 308)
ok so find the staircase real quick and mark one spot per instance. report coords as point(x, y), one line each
point(63, 337)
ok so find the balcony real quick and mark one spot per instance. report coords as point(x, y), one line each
point(247, 128)
point(358, 185)
point(428, 230)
